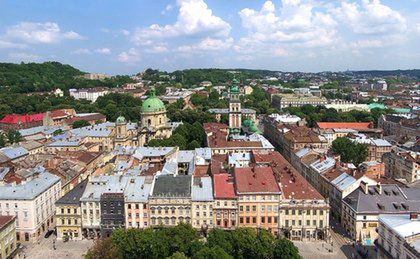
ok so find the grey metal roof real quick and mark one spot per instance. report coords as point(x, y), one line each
point(98, 130)
point(30, 189)
point(392, 199)
point(381, 143)
point(47, 130)
point(74, 195)
point(202, 189)
point(102, 184)
point(3, 172)
point(138, 188)
point(322, 166)
point(14, 152)
point(152, 152)
point(172, 186)
point(343, 181)
point(401, 224)
point(185, 156)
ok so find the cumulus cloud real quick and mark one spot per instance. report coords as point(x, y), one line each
point(47, 33)
point(207, 44)
point(296, 23)
point(370, 17)
point(130, 56)
point(168, 8)
point(105, 51)
point(195, 18)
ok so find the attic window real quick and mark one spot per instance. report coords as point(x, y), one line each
point(396, 205)
point(405, 206)
point(388, 193)
point(395, 192)
point(381, 207)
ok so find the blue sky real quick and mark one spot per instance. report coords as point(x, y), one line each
point(125, 37)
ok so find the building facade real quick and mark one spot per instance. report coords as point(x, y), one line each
point(7, 236)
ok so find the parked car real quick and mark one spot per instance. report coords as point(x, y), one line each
point(49, 233)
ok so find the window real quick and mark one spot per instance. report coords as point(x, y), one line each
point(254, 220)
point(247, 208)
point(300, 223)
point(269, 219)
point(308, 222)
point(241, 220)
point(321, 223)
point(314, 222)
point(286, 212)
point(275, 219)
point(241, 208)
point(262, 219)
point(254, 208)
point(287, 223)
point(129, 206)
point(262, 208)
point(247, 220)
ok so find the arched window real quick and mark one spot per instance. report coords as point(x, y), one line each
point(149, 122)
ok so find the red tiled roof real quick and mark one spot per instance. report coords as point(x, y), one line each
point(201, 170)
point(15, 119)
point(4, 220)
point(255, 180)
point(218, 163)
point(217, 137)
point(223, 187)
point(293, 184)
point(345, 125)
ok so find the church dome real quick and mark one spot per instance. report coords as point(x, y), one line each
point(120, 120)
point(152, 103)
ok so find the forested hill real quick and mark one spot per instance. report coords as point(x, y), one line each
point(41, 77)
point(415, 73)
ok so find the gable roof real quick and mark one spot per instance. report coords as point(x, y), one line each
point(345, 125)
point(255, 180)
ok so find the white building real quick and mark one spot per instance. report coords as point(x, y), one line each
point(399, 236)
point(32, 202)
point(90, 94)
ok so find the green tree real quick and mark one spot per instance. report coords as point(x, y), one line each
point(220, 238)
point(58, 132)
point(14, 136)
point(284, 248)
point(103, 248)
point(178, 255)
point(193, 145)
point(214, 252)
point(349, 151)
point(2, 140)
point(80, 124)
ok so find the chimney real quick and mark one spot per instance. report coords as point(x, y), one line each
point(414, 216)
point(365, 187)
point(379, 188)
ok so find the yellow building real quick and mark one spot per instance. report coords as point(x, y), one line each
point(7, 236)
point(68, 215)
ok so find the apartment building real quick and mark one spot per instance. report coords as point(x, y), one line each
point(170, 202)
point(7, 236)
point(90, 94)
point(202, 203)
point(137, 194)
point(32, 202)
point(402, 165)
point(112, 211)
point(68, 214)
point(361, 208)
point(282, 101)
point(303, 212)
point(225, 209)
point(399, 236)
point(258, 197)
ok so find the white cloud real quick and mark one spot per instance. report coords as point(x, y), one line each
point(23, 57)
point(11, 45)
point(48, 32)
point(168, 8)
point(130, 56)
point(194, 19)
point(159, 48)
point(371, 17)
point(81, 51)
point(207, 44)
point(295, 24)
point(105, 51)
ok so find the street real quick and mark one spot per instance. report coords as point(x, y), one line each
point(45, 249)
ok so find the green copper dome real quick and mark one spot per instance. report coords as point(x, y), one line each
point(152, 103)
point(120, 120)
point(234, 88)
point(251, 126)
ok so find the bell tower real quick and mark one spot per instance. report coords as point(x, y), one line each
point(235, 120)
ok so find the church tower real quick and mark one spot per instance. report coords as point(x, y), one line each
point(234, 109)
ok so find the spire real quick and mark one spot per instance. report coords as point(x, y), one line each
point(234, 87)
point(152, 92)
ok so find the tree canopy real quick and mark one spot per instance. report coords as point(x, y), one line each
point(183, 241)
point(349, 151)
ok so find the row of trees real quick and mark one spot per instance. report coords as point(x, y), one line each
point(183, 241)
point(186, 136)
point(314, 114)
point(111, 105)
